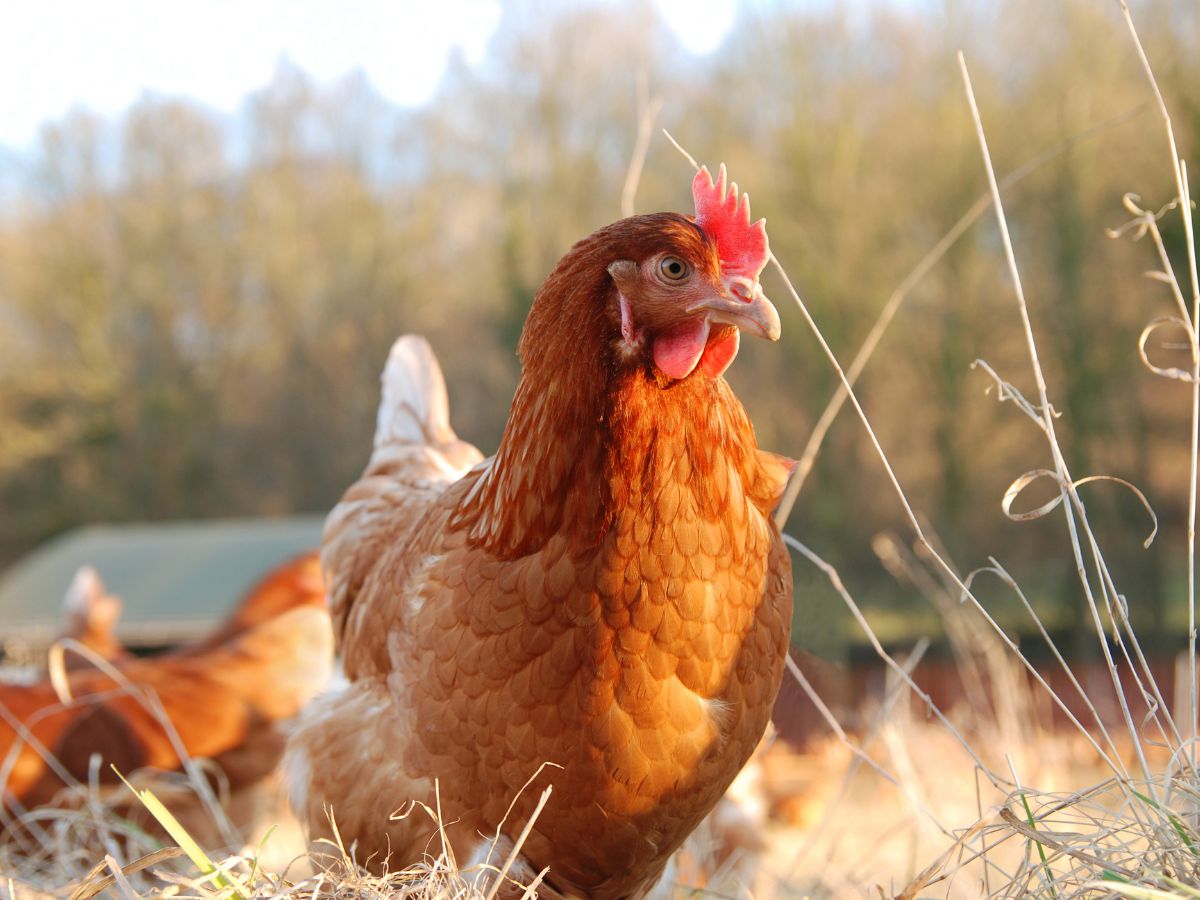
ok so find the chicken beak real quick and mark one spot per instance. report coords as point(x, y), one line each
point(744, 306)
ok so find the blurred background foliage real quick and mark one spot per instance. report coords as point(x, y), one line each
point(194, 309)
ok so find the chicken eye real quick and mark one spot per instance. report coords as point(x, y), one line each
point(673, 268)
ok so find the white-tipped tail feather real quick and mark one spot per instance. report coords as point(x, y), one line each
point(90, 613)
point(415, 458)
point(414, 408)
point(84, 588)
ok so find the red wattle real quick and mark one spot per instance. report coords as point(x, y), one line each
point(677, 351)
point(720, 353)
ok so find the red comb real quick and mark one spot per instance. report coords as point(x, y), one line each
point(725, 217)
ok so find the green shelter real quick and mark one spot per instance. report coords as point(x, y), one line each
point(177, 579)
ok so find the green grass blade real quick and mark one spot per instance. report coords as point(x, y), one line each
point(180, 836)
point(1040, 849)
point(1176, 822)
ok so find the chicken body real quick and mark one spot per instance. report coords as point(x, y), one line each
point(606, 595)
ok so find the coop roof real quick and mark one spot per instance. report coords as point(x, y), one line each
point(176, 579)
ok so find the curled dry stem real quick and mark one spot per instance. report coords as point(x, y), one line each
point(1183, 195)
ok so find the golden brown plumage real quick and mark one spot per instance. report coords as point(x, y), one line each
point(607, 594)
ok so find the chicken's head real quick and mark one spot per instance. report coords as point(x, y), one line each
point(686, 290)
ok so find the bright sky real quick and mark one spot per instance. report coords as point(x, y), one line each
point(56, 54)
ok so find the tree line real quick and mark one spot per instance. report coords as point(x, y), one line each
point(194, 308)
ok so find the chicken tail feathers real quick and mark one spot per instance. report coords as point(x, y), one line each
point(414, 408)
point(415, 457)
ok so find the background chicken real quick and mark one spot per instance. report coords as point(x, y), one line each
point(90, 615)
point(223, 695)
point(607, 594)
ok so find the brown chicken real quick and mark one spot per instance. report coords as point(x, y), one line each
point(294, 583)
point(223, 694)
point(607, 594)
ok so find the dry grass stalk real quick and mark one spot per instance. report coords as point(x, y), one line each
point(1074, 510)
point(648, 110)
point(1183, 195)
